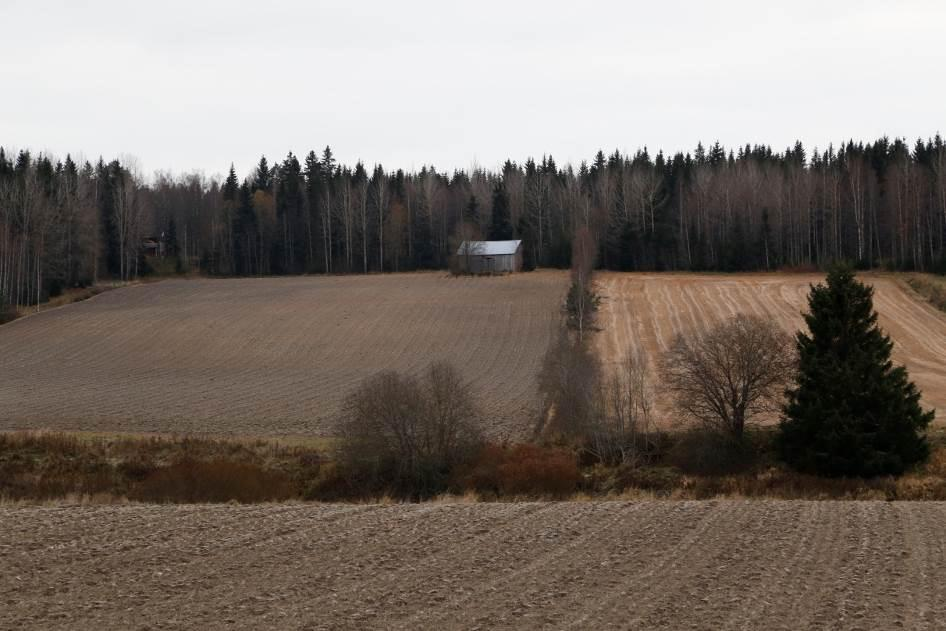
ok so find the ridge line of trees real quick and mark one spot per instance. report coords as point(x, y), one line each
point(883, 203)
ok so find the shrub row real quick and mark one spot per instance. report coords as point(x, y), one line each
point(52, 466)
point(44, 466)
point(36, 467)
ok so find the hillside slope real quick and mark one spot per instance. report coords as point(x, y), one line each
point(646, 311)
point(272, 356)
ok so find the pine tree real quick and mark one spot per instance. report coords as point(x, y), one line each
point(852, 412)
point(500, 228)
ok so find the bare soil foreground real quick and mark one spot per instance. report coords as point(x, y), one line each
point(637, 565)
point(272, 356)
point(646, 311)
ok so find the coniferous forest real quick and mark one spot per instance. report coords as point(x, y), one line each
point(880, 204)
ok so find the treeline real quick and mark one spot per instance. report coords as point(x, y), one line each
point(878, 204)
point(62, 225)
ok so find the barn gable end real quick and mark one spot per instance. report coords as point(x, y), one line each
point(490, 257)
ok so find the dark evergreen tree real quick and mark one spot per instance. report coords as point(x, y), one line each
point(170, 238)
point(172, 247)
point(526, 232)
point(313, 206)
point(231, 186)
point(245, 234)
point(108, 177)
point(289, 249)
point(263, 176)
point(328, 160)
point(500, 227)
point(852, 412)
point(471, 213)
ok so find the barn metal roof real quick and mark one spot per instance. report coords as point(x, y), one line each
point(488, 248)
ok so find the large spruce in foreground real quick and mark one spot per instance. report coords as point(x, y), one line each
point(851, 412)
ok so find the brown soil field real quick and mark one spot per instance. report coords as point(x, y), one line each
point(646, 312)
point(272, 356)
point(568, 565)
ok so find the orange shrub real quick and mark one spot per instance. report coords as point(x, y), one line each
point(522, 469)
point(215, 481)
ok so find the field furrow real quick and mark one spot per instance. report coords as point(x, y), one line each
point(646, 311)
point(273, 356)
point(632, 565)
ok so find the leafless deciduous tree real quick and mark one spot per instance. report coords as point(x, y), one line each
point(414, 429)
point(581, 301)
point(726, 377)
point(623, 433)
point(468, 246)
point(607, 413)
point(570, 386)
point(127, 217)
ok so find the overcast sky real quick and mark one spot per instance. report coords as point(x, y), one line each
point(196, 84)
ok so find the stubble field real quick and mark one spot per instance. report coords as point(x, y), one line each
point(272, 356)
point(566, 565)
point(644, 312)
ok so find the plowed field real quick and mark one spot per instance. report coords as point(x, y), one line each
point(641, 565)
point(646, 312)
point(272, 356)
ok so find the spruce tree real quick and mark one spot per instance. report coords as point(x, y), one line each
point(527, 234)
point(263, 177)
point(500, 228)
point(245, 233)
point(471, 214)
point(851, 412)
point(172, 246)
point(231, 187)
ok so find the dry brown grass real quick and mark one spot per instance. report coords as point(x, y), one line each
point(42, 466)
point(70, 296)
point(219, 480)
point(931, 287)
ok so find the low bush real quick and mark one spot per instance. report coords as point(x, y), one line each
point(215, 481)
point(522, 469)
point(39, 467)
point(931, 288)
point(707, 452)
point(403, 435)
point(657, 478)
point(45, 466)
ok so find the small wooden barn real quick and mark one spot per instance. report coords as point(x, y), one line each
point(490, 257)
point(153, 246)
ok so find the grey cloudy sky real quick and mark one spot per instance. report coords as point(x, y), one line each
point(197, 84)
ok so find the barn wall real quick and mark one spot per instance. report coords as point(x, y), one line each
point(479, 264)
